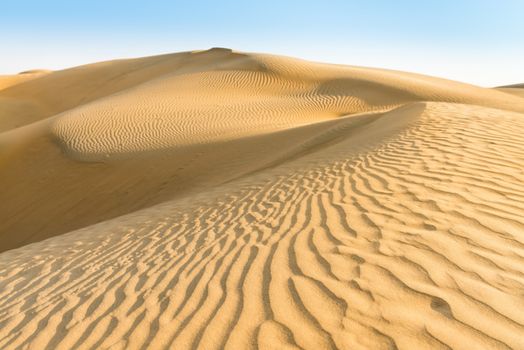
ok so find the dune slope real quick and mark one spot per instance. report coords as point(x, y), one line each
point(246, 201)
point(142, 131)
point(517, 89)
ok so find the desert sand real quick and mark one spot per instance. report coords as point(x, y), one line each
point(225, 200)
point(517, 89)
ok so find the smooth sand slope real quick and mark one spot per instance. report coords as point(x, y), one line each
point(215, 199)
point(517, 89)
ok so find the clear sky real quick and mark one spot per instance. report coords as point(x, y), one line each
point(476, 41)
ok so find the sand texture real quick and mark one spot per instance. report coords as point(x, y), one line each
point(225, 200)
point(517, 89)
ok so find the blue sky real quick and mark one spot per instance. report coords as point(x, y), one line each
point(476, 41)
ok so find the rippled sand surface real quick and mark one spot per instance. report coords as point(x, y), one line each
point(225, 200)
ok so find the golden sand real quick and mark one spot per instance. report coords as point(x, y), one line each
point(217, 199)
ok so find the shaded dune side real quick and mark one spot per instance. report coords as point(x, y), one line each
point(54, 201)
point(406, 234)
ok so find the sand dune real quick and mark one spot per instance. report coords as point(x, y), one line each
point(517, 89)
point(216, 199)
point(10, 80)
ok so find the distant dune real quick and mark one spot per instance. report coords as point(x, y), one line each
point(219, 199)
point(516, 89)
point(10, 80)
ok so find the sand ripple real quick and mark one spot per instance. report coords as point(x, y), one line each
point(405, 232)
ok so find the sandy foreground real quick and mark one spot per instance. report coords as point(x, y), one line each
point(224, 200)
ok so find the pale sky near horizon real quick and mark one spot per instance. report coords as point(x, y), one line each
point(475, 41)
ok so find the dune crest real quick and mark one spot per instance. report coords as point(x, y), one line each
point(224, 200)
